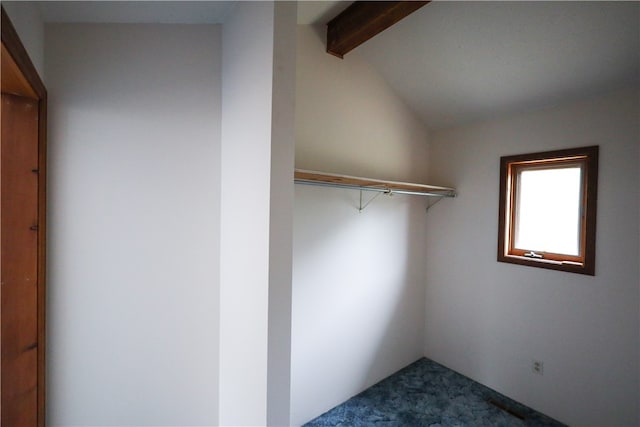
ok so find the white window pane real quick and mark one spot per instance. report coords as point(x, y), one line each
point(548, 210)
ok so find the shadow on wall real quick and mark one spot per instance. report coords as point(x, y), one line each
point(405, 316)
point(358, 294)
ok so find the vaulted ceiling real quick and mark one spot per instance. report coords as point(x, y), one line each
point(456, 62)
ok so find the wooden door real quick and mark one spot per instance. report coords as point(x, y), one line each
point(19, 260)
point(22, 236)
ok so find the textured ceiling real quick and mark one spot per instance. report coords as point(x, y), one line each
point(169, 12)
point(319, 12)
point(457, 62)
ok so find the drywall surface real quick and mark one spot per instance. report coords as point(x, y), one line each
point(349, 121)
point(246, 148)
point(281, 214)
point(358, 278)
point(489, 320)
point(134, 163)
point(28, 23)
point(257, 213)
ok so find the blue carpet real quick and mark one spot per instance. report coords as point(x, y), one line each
point(430, 395)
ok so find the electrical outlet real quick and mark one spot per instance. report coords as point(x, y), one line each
point(537, 367)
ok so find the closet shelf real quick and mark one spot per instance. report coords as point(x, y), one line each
point(324, 179)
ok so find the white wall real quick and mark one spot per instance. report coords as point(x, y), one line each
point(27, 21)
point(488, 320)
point(246, 148)
point(357, 277)
point(256, 216)
point(134, 163)
point(281, 214)
point(349, 121)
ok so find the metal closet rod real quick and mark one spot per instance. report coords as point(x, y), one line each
point(445, 193)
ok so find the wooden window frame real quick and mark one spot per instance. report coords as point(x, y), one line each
point(510, 167)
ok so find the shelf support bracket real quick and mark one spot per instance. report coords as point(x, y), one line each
point(362, 207)
point(430, 205)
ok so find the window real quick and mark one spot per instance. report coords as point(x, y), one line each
point(548, 209)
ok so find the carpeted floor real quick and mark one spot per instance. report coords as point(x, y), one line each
point(428, 394)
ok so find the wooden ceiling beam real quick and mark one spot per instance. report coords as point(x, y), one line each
point(364, 19)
